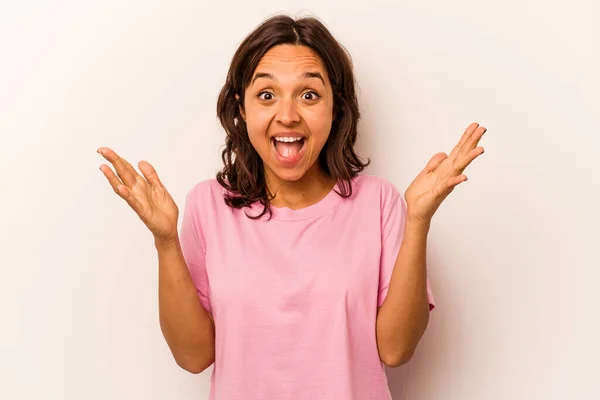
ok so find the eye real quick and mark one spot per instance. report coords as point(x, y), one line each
point(314, 95)
point(260, 95)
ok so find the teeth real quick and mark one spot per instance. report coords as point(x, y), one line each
point(288, 139)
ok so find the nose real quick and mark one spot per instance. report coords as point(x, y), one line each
point(287, 112)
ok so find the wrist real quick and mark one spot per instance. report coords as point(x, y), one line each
point(417, 224)
point(166, 243)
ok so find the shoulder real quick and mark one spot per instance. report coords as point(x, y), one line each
point(207, 193)
point(206, 187)
point(376, 187)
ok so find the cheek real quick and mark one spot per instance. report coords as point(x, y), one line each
point(258, 118)
point(258, 139)
point(320, 126)
point(257, 124)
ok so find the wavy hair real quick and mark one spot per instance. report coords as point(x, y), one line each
point(243, 171)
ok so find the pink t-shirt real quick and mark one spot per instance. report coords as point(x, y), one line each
point(294, 299)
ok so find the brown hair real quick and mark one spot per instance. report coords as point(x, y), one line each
point(243, 171)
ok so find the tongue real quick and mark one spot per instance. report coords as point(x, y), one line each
point(288, 149)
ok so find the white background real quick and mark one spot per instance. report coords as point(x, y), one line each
point(512, 252)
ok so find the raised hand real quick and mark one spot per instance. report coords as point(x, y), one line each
point(145, 195)
point(441, 175)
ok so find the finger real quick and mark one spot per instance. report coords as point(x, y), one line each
point(468, 159)
point(123, 168)
point(468, 132)
point(111, 177)
point(150, 174)
point(121, 189)
point(451, 183)
point(126, 195)
point(474, 139)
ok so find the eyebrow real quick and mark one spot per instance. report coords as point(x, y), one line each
point(305, 75)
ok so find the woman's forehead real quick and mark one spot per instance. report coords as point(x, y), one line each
point(290, 60)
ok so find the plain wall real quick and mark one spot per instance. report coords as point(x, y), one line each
point(512, 253)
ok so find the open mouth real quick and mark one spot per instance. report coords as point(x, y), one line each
point(288, 147)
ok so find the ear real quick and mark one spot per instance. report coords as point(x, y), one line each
point(237, 98)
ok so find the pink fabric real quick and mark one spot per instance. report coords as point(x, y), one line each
point(294, 299)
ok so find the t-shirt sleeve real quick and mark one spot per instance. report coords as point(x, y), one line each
point(393, 224)
point(193, 246)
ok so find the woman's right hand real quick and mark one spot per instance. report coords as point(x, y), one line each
point(148, 197)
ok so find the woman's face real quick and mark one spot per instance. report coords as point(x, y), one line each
point(288, 109)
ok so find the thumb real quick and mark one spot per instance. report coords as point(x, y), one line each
point(435, 162)
point(149, 173)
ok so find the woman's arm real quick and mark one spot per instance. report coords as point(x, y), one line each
point(185, 324)
point(404, 314)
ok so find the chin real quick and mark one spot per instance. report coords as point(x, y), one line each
point(289, 175)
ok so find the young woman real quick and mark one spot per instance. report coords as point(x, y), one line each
point(298, 276)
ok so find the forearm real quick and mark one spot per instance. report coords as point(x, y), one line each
point(404, 314)
point(185, 324)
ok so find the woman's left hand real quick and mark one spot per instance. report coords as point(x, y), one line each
point(441, 175)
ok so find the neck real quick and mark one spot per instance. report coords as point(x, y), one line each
point(306, 191)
